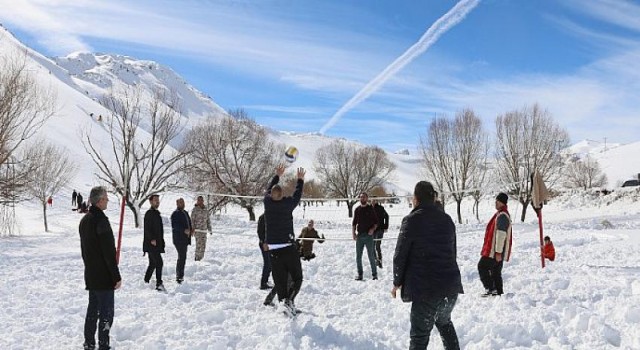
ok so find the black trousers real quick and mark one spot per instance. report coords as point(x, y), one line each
point(266, 266)
point(284, 262)
point(182, 259)
point(100, 311)
point(378, 234)
point(490, 272)
point(155, 264)
point(424, 314)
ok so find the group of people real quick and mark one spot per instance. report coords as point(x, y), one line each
point(370, 222)
point(77, 202)
point(183, 227)
point(425, 268)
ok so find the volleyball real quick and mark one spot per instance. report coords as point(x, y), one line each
point(291, 154)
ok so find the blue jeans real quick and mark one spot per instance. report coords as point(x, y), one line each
point(100, 308)
point(424, 314)
point(266, 266)
point(364, 240)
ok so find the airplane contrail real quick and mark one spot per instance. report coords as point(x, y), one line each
point(439, 27)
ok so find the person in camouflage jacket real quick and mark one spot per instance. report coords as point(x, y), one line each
point(201, 224)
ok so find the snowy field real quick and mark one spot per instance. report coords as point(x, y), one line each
point(589, 298)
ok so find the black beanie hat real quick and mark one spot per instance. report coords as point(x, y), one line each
point(502, 197)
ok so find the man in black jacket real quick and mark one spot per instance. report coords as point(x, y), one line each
point(280, 238)
point(364, 223)
point(182, 231)
point(266, 262)
point(383, 225)
point(425, 267)
point(153, 243)
point(101, 274)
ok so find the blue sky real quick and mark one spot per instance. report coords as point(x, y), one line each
point(292, 64)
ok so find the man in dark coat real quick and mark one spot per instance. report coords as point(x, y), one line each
point(101, 273)
point(425, 267)
point(266, 261)
point(153, 243)
point(79, 200)
point(74, 195)
point(280, 238)
point(365, 223)
point(383, 226)
point(182, 232)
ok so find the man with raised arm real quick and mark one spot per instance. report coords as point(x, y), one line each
point(280, 238)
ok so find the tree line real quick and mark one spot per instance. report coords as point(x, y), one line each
point(233, 155)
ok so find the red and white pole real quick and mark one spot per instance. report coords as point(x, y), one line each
point(124, 199)
point(539, 212)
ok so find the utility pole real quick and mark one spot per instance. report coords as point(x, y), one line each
point(605, 144)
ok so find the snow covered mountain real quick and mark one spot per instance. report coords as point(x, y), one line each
point(98, 74)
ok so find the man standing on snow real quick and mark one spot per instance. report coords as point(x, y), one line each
point(182, 232)
point(383, 225)
point(153, 243)
point(79, 201)
point(280, 238)
point(101, 273)
point(74, 195)
point(201, 225)
point(425, 267)
point(496, 248)
point(364, 223)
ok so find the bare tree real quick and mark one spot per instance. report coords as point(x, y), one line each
point(455, 153)
point(201, 182)
point(528, 140)
point(54, 170)
point(24, 107)
point(233, 156)
point(312, 188)
point(142, 164)
point(584, 173)
point(346, 170)
point(478, 183)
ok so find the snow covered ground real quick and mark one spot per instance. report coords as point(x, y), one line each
point(588, 299)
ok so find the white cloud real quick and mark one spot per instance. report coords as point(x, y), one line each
point(333, 63)
point(622, 13)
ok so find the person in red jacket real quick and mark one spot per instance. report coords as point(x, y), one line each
point(496, 248)
point(548, 251)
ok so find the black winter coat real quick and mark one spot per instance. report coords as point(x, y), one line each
point(180, 221)
point(153, 230)
point(383, 217)
point(98, 251)
point(425, 263)
point(277, 214)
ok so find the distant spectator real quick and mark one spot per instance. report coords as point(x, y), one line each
point(50, 201)
point(79, 201)
point(306, 246)
point(74, 195)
